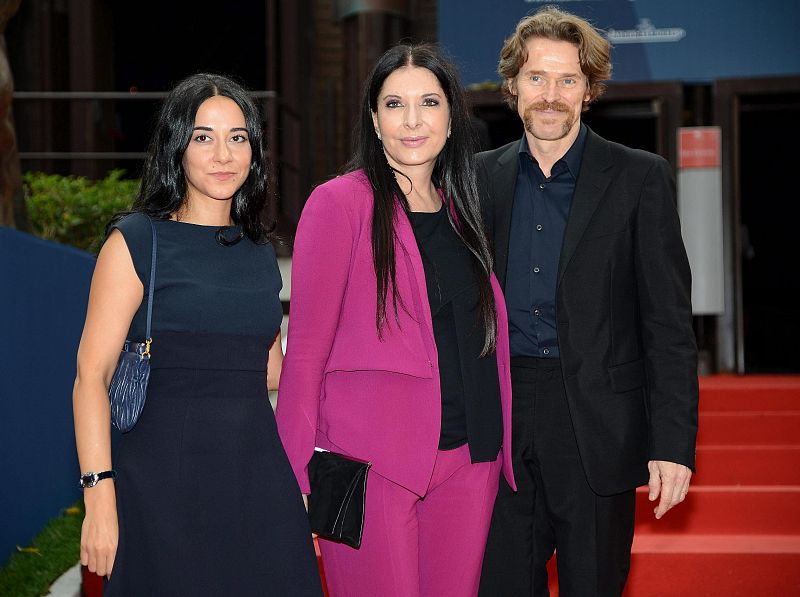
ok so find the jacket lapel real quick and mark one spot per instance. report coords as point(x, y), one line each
point(417, 297)
point(503, 182)
point(592, 182)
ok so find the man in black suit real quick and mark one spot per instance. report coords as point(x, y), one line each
point(588, 249)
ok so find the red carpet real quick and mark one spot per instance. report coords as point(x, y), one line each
point(738, 532)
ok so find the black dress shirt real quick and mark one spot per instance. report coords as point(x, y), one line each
point(470, 389)
point(538, 220)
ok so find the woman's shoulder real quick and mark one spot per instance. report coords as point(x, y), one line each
point(350, 193)
point(262, 253)
point(137, 235)
point(132, 222)
point(346, 185)
point(136, 230)
point(264, 248)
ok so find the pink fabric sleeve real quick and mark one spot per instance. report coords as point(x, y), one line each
point(320, 266)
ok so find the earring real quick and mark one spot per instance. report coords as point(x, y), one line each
point(377, 132)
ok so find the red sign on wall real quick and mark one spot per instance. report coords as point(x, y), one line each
point(699, 147)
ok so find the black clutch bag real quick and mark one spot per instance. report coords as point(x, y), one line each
point(337, 499)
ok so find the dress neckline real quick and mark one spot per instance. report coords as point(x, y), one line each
point(207, 226)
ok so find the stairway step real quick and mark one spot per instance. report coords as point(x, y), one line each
point(748, 465)
point(713, 575)
point(704, 544)
point(751, 392)
point(709, 566)
point(750, 428)
point(738, 532)
point(726, 510)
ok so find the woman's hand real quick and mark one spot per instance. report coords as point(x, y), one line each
point(305, 503)
point(100, 530)
point(275, 363)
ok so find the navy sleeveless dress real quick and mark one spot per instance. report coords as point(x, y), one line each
point(207, 501)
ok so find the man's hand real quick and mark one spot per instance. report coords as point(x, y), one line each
point(671, 481)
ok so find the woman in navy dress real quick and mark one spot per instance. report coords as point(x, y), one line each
point(202, 500)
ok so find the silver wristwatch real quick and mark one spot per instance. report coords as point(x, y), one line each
point(91, 479)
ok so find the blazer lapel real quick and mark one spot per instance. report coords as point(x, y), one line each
point(409, 253)
point(502, 184)
point(592, 182)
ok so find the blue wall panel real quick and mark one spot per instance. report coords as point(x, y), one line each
point(44, 287)
point(654, 40)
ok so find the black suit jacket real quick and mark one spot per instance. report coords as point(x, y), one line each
point(623, 309)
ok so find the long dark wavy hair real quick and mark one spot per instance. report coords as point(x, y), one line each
point(453, 173)
point(163, 188)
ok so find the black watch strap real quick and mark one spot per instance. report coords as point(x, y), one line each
point(91, 479)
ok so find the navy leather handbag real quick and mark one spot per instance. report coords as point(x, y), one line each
point(128, 389)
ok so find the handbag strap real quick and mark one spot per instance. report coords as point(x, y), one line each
point(151, 287)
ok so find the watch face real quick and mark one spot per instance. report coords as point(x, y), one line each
point(91, 478)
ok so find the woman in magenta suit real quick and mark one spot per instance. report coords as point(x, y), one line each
point(398, 343)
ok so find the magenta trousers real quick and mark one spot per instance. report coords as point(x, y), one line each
point(419, 547)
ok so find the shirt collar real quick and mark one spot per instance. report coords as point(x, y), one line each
point(572, 158)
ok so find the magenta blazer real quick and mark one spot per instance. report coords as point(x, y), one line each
point(342, 388)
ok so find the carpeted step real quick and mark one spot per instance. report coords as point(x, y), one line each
point(716, 544)
point(752, 392)
point(698, 566)
point(710, 566)
point(738, 532)
point(748, 465)
point(727, 509)
point(749, 428)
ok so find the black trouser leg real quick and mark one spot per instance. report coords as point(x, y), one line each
point(554, 509)
point(508, 561)
point(593, 534)
point(519, 535)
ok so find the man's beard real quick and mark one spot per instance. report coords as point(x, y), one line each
point(566, 126)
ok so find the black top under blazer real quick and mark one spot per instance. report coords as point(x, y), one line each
point(623, 309)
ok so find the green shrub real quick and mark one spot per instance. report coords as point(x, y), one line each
point(74, 210)
point(31, 570)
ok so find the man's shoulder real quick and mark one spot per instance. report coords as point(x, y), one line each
point(492, 155)
point(622, 154)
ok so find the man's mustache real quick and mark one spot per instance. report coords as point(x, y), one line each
point(545, 105)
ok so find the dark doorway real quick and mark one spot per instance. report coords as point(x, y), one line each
point(770, 210)
point(496, 123)
point(158, 43)
point(634, 123)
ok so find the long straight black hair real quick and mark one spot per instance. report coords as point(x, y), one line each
point(453, 173)
point(163, 187)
